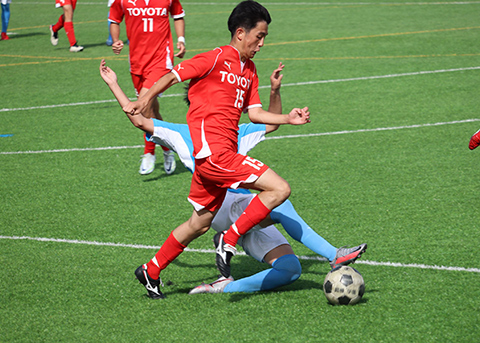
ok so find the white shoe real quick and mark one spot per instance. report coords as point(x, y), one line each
point(148, 164)
point(53, 36)
point(214, 287)
point(169, 163)
point(76, 48)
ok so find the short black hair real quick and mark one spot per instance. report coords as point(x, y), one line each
point(246, 15)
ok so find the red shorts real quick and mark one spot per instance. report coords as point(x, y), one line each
point(61, 3)
point(215, 174)
point(148, 79)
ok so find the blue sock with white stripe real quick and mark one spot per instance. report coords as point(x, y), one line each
point(284, 271)
point(296, 227)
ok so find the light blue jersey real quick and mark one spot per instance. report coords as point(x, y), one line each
point(176, 137)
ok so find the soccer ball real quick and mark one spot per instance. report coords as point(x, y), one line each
point(344, 285)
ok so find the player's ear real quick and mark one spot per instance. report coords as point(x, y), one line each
point(240, 33)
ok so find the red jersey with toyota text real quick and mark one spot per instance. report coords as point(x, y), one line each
point(221, 88)
point(148, 31)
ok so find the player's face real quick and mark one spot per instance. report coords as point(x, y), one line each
point(254, 40)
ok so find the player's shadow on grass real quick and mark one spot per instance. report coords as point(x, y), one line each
point(86, 46)
point(311, 266)
point(244, 266)
point(159, 167)
point(298, 285)
point(294, 287)
point(25, 35)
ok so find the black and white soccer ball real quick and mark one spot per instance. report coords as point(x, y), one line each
point(344, 285)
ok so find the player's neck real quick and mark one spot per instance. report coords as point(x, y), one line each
point(242, 57)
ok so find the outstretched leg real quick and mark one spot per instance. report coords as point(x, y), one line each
point(299, 230)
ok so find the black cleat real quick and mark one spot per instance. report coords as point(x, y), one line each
point(224, 252)
point(150, 284)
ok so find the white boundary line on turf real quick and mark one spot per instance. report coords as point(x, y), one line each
point(208, 251)
point(415, 126)
point(363, 78)
point(70, 150)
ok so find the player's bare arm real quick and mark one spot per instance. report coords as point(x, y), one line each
point(297, 116)
point(160, 86)
point(179, 25)
point(275, 105)
point(110, 78)
point(117, 45)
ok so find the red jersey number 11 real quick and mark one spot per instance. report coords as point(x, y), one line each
point(147, 24)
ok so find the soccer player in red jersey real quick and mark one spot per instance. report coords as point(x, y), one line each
point(151, 54)
point(223, 84)
point(66, 21)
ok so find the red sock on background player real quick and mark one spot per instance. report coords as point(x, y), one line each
point(149, 146)
point(70, 32)
point(59, 24)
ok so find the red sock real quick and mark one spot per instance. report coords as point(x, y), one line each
point(149, 146)
point(167, 253)
point(58, 25)
point(253, 214)
point(70, 32)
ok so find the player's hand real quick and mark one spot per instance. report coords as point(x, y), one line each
point(136, 107)
point(299, 116)
point(276, 77)
point(117, 47)
point(107, 74)
point(182, 50)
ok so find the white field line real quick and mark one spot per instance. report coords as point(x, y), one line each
point(415, 126)
point(209, 251)
point(363, 78)
point(70, 150)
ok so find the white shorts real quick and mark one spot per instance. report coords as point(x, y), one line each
point(258, 241)
point(4, 2)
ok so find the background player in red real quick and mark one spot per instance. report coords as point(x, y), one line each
point(223, 84)
point(151, 54)
point(66, 21)
point(474, 140)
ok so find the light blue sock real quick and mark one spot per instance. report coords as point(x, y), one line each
point(5, 17)
point(284, 271)
point(296, 227)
